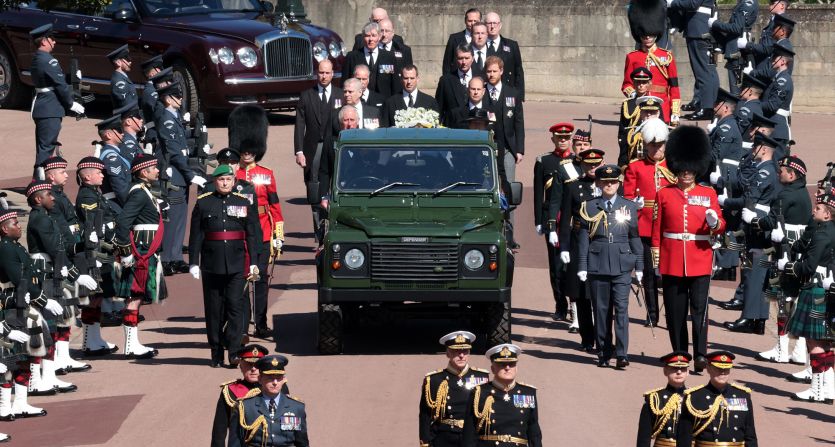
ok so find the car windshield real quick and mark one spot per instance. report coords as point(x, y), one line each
point(165, 8)
point(427, 169)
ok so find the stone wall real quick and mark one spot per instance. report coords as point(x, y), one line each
point(576, 48)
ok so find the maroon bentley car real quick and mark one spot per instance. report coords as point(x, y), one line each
point(226, 52)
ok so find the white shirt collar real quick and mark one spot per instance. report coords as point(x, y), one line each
point(497, 87)
point(327, 90)
point(365, 94)
point(472, 106)
point(468, 75)
point(468, 36)
point(375, 51)
point(407, 94)
point(497, 41)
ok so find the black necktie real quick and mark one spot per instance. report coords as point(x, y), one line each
point(272, 409)
point(324, 97)
point(370, 59)
point(608, 206)
point(493, 46)
point(478, 60)
point(411, 101)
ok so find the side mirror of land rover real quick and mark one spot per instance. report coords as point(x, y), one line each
point(516, 193)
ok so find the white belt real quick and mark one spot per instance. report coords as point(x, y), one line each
point(748, 145)
point(795, 227)
point(687, 236)
point(6, 285)
point(150, 125)
point(728, 161)
point(784, 112)
point(42, 256)
point(109, 195)
point(704, 10)
point(763, 208)
point(44, 89)
point(146, 227)
point(75, 228)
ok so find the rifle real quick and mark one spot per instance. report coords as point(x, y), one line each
point(78, 88)
point(197, 138)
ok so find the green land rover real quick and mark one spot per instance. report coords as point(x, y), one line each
point(415, 226)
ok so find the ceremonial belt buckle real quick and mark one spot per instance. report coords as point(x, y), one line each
point(664, 442)
point(611, 238)
point(453, 422)
point(504, 438)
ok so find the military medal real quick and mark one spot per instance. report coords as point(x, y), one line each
point(460, 383)
point(506, 397)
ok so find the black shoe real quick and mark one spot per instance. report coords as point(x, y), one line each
point(558, 316)
point(700, 115)
point(67, 389)
point(689, 107)
point(263, 332)
point(216, 364)
point(99, 352)
point(743, 325)
point(7, 418)
point(622, 363)
point(76, 369)
point(168, 269)
point(732, 305)
point(180, 266)
point(53, 391)
point(148, 355)
point(31, 415)
point(603, 362)
point(590, 349)
point(700, 364)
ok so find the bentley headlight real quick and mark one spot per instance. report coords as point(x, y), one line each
point(344, 48)
point(225, 55)
point(474, 259)
point(247, 56)
point(213, 56)
point(334, 49)
point(320, 53)
point(354, 258)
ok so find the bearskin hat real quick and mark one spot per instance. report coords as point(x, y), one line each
point(647, 18)
point(248, 126)
point(688, 149)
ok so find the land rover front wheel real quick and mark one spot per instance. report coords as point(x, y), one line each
point(497, 324)
point(330, 329)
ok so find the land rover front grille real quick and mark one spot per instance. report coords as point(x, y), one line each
point(392, 261)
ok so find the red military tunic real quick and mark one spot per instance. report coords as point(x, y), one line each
point(644, 178)
point(664, 82)
point(269, 207)
point(681, 243)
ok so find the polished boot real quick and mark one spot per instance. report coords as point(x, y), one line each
point(49, 379)
point(699, 364)
point(37, 387)
point(64, 361)
point(700, 115)
point(689, 107)
point(94, 345)
point(803, 376)
point(732, 305)
point(779, 353)
point(744, 325)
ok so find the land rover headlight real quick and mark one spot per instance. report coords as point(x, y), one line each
point(474, 259)
point(320, 53)
point(247, 56)
point(354, 258)
point(334, 49)
point(225, 55)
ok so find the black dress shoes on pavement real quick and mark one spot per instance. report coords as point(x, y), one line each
point(603, 362)
point(622, 363)
point(732, 305)
point(263, 332)
point(746, 325)
point(700, 115)
point(168, 269)
point(689, 107)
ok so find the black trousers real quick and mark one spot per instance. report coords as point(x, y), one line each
point(557, 276)
point(578, 293)
point(650, 282)
point(261, 293)
point(683, 294)
point(223, 301)
point(756, 306)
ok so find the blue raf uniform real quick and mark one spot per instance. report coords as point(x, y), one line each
point(739, 24)
point(53, 97)
point(726, 147)
point(699, 48)
point(746, 108)
point(269, 421)
point(777, 98)
point(609, 249)
point(130, 145)
point(117, 178)
point(122, 89)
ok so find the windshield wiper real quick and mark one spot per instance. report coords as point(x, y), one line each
point(453, 186)
point(389, 186)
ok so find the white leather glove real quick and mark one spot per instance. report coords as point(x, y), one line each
point(277, 243)
point(711, 125)
point(781, 264)
point(18, 336)
point(207, 148)
point(674, 118)
point(3, 369)
point(748, 69)
point(78, 74)
point(169, 171)
point(711, 218)
point(98, 264)
point(669, 3)
point(632, 95)
point(827, 282)
point(722, 198)
point(195, 271)
point(742, 42)
point(777, 234)
point(127, 261)
point(65, 272)
point(94, 238)
point(148, 149)
point(199, 181)
point(539, 230)
point(565, 257)
point(658, 272)
point(714, 177)
point(77, 108)
point(553, 239)
point(27, 298)
point(639, 275)
point(639, 201)
point(253, 270)
point(53, 307)
point(748, 215)
point(710, 21)
point(187, 116)
point(87, 281)
point(673, 30)
point(583, 275)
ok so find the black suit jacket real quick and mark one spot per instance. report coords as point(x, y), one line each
point(313, 122)
point(449, 95)
point(395, 103)
point(383, 78)
point(374, 99)
point(359, 43)
point(514, 75)
point(452, 43)
point(457, 118)
point(510, 120)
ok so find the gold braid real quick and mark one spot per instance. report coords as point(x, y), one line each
point(661, 66)
point(594, 221)
point(261, 422)
point(665, 171)
point(438, 405)
point(635, 141)
point(709, 414)
point(483, 416)
point(671, 409)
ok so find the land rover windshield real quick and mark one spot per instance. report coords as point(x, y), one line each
point(436, 170)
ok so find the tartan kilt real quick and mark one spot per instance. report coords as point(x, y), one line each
point(154, 288)
point(809, 317)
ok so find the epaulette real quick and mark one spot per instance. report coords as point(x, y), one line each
point(480, 370)
point(525, 384)
point(295, 398)
point(252, 393)
point(432, 373)
point(635, 161)
point(205, 194)
point(241, 196)
point(695, 388)
point(741, 387)
point(654, 391)
point(227, 383)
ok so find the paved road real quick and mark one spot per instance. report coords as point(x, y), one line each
point(369, 395)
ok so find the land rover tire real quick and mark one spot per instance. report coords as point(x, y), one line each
point(497, 324)
point(330, 329)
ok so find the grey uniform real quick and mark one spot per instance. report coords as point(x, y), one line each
point(777, 103)
point(744, 112)
point(739, 24)
point(609, 250)
point(117, 179)
point(172, 135)
point(697, 33)
point(53, 97)
point(122, 90)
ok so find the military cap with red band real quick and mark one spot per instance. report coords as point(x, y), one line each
point(252, 353)
point(721, 359)
point(677, 359)
point(562, 129)
point(591, 156)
